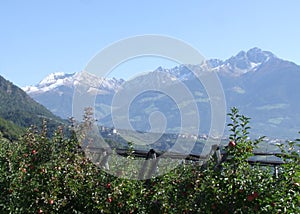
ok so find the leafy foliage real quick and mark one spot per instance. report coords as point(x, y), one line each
point(9, 130)
point(52, 175)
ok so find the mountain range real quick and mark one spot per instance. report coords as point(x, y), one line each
point(263, 87)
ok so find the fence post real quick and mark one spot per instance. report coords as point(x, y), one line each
point(104, 162)
point(150, 162)
point(275, 171)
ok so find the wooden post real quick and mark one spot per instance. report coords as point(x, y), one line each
point(213, 151)
point(104, 162)
point(275, 171)
point(150, 164)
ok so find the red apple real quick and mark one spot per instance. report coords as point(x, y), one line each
point(108, 185)
point(255, 194)
point(231, 143)
point(250, 198)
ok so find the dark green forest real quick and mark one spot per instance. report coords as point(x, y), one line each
point(18, 111)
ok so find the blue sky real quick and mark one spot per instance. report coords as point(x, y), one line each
point(41, 37)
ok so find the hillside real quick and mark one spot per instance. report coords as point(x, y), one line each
point(9, 130)
point(18, 108)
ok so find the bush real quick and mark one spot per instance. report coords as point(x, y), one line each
point(52, 175)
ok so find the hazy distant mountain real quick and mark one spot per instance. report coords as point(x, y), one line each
point(20, 109)
point(56, 91)
point(261, 85)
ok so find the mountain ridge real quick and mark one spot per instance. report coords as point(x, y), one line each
point(262, 85)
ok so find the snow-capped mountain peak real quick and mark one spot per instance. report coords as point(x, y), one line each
point(241, 63)
point(256, 55)
point(54, 78)
point(250, 59)
point(50, 82)
point(58, 79)
point(237, 65)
